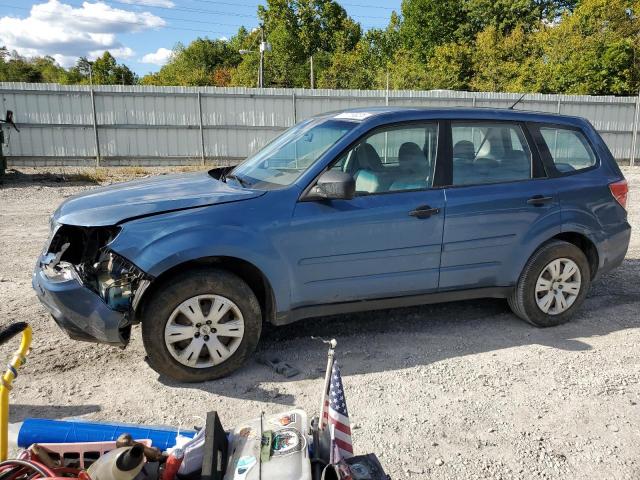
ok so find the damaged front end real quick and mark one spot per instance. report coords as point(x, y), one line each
point(91, 291)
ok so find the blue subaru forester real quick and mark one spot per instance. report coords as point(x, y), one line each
point(348, 211)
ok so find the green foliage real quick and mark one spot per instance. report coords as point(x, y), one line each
point(504, 62)
point(15, 68)
point(202, 62)
point(106, 71)
point(450, 67)
point(296, 31)
point(428, 23)
point(595, 50)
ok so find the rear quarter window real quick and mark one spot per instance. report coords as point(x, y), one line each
point(569, 149)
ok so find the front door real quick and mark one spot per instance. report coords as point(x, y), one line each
point(386, 241)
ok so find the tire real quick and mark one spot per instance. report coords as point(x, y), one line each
point(529, 298)
point(174, 330)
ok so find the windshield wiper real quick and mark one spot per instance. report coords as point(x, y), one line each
point(238, 179)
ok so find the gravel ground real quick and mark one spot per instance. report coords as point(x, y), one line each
point(458, 390)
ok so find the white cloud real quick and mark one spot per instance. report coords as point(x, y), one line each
point(151, 3)
point(122, 52)
point(159, 57)
point(66, 32)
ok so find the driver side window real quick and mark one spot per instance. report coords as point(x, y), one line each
point(393, 159)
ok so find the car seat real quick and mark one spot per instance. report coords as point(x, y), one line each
point(414, 167)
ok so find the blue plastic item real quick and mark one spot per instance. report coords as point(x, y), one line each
point(40, 430)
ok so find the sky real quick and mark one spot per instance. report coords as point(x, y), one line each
point(139, 33)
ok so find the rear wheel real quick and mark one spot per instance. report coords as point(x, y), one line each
point(201, 325)
point(552, 286)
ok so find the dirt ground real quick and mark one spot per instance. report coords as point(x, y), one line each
point(458, 390)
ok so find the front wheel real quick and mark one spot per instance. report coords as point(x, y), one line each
point(552, 286)
point(201, 325)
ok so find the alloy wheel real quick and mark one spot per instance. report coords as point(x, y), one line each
point(204, 330)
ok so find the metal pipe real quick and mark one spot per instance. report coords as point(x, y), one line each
point(95, 128)
point(10, 374)
point(295, 114)
point(634, 136)
point(327, 378)
point(202, 155)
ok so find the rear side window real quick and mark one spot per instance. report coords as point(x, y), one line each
point(569, 149)
point(485, 152)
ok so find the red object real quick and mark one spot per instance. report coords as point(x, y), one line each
point(619, 190)
point(336, 415)
point(172, 465)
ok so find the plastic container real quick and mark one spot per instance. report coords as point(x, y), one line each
point(37, 430)
point(288, 455)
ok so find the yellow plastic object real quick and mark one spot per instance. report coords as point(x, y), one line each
point(9, 375)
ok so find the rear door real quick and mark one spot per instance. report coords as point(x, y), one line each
point(499, 202)
point(386, 241)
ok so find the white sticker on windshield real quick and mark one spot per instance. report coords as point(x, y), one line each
point(354, 115)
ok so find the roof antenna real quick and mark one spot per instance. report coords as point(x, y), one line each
point(517, 101)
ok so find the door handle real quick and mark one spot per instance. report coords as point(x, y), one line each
point(538, 200)
point(424, 211)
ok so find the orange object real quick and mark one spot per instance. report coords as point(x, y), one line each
point(173, 464)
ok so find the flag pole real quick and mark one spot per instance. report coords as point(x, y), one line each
point(327, 377)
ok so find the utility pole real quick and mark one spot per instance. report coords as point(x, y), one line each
point(313, 82)
point(262, 49)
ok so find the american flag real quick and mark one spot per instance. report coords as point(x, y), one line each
point(335, 414)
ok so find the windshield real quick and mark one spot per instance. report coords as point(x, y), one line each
point(283, 160)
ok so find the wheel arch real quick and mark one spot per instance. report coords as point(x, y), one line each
point(585, 244)
point(247, 271)
point(580, 240)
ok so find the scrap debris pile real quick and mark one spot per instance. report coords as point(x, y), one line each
point(285, 446)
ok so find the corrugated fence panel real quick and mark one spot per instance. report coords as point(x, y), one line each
point(165, 125)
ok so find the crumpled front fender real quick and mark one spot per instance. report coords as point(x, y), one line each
point(157, 244)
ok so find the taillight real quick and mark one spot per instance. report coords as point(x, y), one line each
point(619, 191)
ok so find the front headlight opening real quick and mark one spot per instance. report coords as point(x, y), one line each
point(116, 280)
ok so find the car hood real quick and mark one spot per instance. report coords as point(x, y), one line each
point(140, 198)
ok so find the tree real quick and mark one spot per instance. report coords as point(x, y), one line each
point(202, 62)
point(351, 69)
point(104, 70)
point(450, 67)
point(406, 71)
point(298, 30)
point(505, 62)
point(506, 15)
point(428, 23)
point(595, 50)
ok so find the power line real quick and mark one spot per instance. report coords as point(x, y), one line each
point(205, 22)
point(214, 2)
point(216, 12)
point(187, 20)
point(84, 17)
point(254, 5)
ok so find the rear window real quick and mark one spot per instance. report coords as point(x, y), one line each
point(569, 149)
point(486, 152)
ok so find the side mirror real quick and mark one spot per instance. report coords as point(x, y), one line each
point(333, 185)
